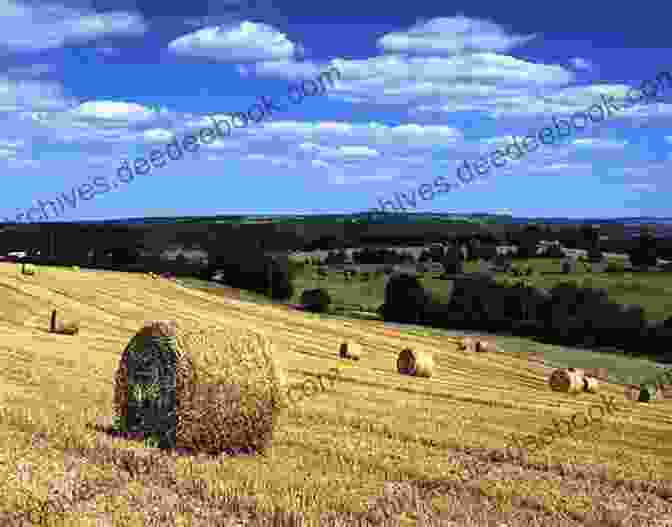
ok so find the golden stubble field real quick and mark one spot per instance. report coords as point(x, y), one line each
point(342, 452)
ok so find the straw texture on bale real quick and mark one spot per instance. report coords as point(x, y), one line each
point(415, 363)
point(590, 384)
point(567, 381)
point(350, 350)
point(63, 328)
point(239, 391)
point(217, 390)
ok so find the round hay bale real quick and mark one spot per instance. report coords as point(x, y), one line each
point(590, 384)
point(485, 346)
point(239, 391)
point(62, 327)
point(579, 371)
point(27, 269)
point(564, 380)
point(415, 363)
point(350, 350)
point(467, 344)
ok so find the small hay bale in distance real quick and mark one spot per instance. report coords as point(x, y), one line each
point(467, 344)
point(579, 371)
point(590, 384)
point(564, 380)
point(62, 327)
point(216, 390)
point(483, 346)
point(27, 269)
point(350, 350)
point(415, 363)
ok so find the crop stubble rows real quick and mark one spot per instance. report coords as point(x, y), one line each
point(371, 429)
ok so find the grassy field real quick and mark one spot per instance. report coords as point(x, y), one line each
point(374, 434)
point(653, 291)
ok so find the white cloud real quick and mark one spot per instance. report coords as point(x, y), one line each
point(47, 26)
point(581, 64)
point(668, 138)
point(317, 163)
point(563, 167)
point(449, 36)
point(287, 69)
point(158, 135)
point(351, 153)
point(600, 143)
point(113, 112)
point(32, 96)
point(242, 42)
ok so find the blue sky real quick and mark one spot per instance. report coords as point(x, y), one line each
point(423, 86)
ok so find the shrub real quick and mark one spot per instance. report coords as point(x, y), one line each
point(405, 299)
point(282, 285)
point(316, 300)
point(615, 267)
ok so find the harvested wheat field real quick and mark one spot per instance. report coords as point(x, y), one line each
point(373, 441)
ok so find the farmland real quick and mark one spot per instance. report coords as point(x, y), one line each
point(651, 290)
point(336, 452)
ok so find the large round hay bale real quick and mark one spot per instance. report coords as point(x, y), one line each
point(239, 391)
point(590, 384)
point(216, 390)
point(567, 381)
point(415, 363)
point(350, 350)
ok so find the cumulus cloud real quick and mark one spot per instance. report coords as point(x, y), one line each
point(239, 42)
point(449, 36)
point(25, 27)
